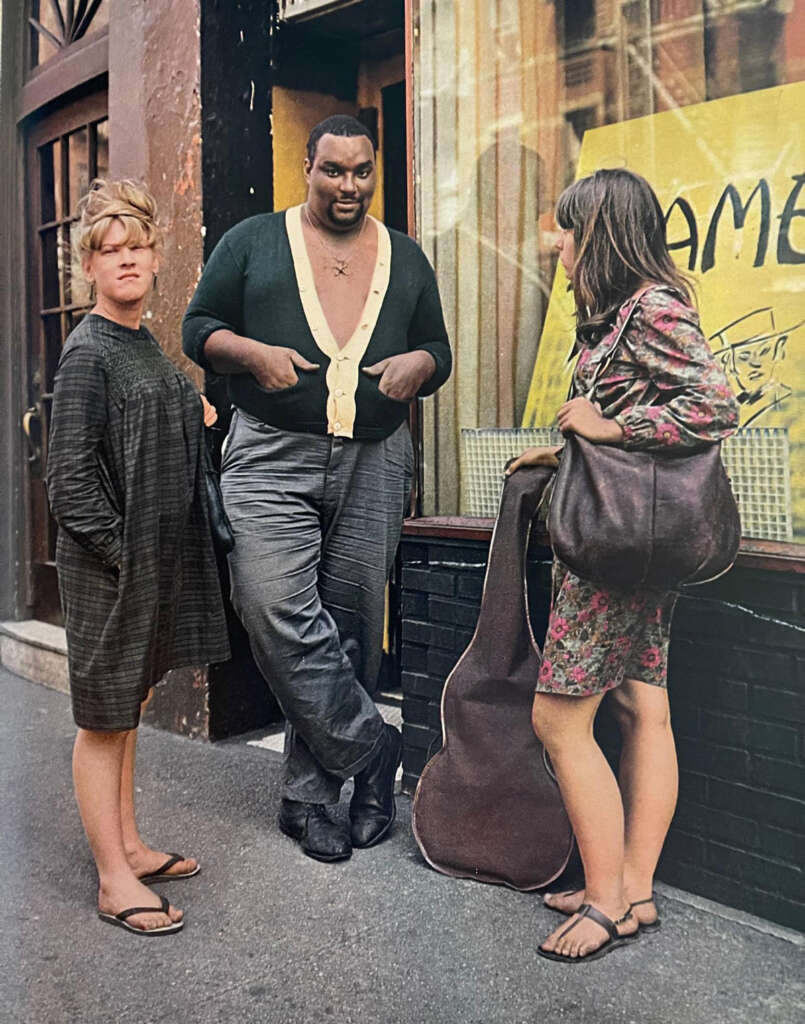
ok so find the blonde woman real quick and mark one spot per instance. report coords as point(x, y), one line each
point(137, 573)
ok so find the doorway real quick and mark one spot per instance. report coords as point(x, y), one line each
point(64, 151)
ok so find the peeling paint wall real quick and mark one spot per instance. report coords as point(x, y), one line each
point(155, 136)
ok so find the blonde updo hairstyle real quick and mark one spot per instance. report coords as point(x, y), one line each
point(108, 201)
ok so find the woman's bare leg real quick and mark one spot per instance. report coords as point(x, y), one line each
point(141, 858)
point(649, 782)
point(593, 803)
point(648, 778)
point(97, 771)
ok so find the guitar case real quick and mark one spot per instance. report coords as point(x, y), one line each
point(487, 805)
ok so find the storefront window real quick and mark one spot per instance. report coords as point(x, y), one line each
point(513, 100)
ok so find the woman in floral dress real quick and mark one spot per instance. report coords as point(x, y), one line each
point(660, 390)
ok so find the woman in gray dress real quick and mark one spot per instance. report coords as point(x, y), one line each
point(137, 573)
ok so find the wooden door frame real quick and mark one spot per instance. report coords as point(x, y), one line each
point(40, 583)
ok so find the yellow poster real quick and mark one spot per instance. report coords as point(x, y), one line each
point(730, 175)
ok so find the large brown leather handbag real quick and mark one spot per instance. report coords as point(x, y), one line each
point(487, 806)
point(626, 519)
point(629, 519)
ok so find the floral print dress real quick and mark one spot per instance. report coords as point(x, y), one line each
point(665, 389)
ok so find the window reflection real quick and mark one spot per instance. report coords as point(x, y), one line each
point(505, 93)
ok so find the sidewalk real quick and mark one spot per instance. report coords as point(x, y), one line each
point(276, 938)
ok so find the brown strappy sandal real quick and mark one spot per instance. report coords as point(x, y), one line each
point(614, 941)
point(650, 926)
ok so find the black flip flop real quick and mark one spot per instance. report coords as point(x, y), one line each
point(614, 941)
point(121, 919)
point(163, 874)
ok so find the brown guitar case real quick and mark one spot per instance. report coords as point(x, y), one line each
point(486, 806)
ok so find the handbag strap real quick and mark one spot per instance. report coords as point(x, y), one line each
point(609, 354)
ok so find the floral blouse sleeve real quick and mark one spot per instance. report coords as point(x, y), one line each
point(690, 401)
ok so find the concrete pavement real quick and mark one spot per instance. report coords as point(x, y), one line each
point(274, 937)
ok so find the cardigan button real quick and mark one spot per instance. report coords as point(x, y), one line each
point(337, 426)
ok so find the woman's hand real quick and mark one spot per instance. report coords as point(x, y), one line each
point(583, 417)
point(210, 412)
point(534, 457)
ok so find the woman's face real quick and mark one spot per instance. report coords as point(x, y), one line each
point(122, 271)
point(566, 245)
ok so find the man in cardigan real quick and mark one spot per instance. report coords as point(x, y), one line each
point(327, 325)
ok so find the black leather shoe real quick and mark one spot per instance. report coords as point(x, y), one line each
point(317, 833)
point(372, 809)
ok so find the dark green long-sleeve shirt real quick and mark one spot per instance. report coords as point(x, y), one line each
point(259, 284)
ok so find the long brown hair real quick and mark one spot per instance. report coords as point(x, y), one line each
point(619, 235)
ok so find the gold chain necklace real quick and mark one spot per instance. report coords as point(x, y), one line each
point(340, 264)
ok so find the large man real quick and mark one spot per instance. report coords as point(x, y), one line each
point(327, 325)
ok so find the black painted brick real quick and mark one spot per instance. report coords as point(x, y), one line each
point(428, 581)
point(441, 663)
point(750, 733)
point(414, 658)
point(759, 872)
point(752, 665)
point(684, 846)
point(778, 704)
point(418, 736)
point(414, 605)
point(421, 712)
point(780, 776)
point(692, 786)
point(787, 912)
point(711, 759)
point(413, 553)
point(684, 718)
point(470, 586)
point(773, 739)
point(415, 711)
point(414, 631)
point(706, 821)
point(458, 555)
point(463, 638)
point(728, 694)
point(783, 811)
point(728, 729)
point(701, 619)
point(420, 685)
point(783, 845)
point(452, 612)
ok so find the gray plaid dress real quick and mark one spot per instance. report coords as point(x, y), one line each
point(137, 573)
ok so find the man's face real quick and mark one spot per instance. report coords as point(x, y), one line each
point(341, 180)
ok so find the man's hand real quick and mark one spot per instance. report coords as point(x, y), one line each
point(539, 456)
point(580, 416)
point(274, 366)
point(402, 376)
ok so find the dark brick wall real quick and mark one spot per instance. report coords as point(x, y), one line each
point(737, 689)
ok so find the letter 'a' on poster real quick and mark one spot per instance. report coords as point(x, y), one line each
point(730, 176)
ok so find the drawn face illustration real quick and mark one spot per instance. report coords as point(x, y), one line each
point(754, 363)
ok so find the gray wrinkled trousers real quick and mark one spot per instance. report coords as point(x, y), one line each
point(317, 521)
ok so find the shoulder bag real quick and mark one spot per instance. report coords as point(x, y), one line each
point(656, 520)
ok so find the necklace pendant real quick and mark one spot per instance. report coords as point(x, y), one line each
point(341, 268)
